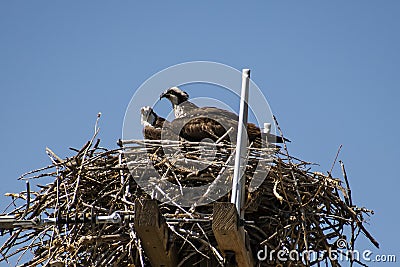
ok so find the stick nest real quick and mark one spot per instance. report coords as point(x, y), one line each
point(293, 208)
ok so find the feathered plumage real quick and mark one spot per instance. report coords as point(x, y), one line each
point(195, 123)
point(153, 124)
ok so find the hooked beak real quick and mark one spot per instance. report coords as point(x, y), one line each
point(165, 94)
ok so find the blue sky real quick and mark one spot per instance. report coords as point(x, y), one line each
point(329, 69)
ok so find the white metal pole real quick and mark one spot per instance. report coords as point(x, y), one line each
point(238, 184)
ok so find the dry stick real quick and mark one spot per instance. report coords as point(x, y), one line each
point(28, 199)
point(170, 169)
point(303, 216)
point(224, 135)
point(30, 245)
point(137, 243)
point(186, 258)
point(215, 182)
point(186, 240)
point(172, 201)
point(334, 161)
point(213, 249)
point(281, 181)
point(7, 255)
point(38, 170)
point(317, 224)
point(276, 233)
point(361, 226)
point(83, 159)
point(348, 198)
point(347, 183)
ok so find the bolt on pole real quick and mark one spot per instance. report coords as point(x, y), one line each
point(238, 184)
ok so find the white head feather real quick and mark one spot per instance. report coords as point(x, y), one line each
point(147, 116)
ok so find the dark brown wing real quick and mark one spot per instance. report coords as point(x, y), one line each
point(210, 112)
point(159, 122)
point(151, 133)
point(195, 129)
point(253, 132)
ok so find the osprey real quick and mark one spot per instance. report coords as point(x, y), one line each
point(156, 127)
point(195, 123)
point(152, 123)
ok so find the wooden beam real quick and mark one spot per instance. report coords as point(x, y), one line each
point(154, 234)
point(230, 236)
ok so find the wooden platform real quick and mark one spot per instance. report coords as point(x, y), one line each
point(231, 237)
point(154, 234)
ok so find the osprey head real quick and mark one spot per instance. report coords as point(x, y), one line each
point(175, 95)
point(148, 116)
